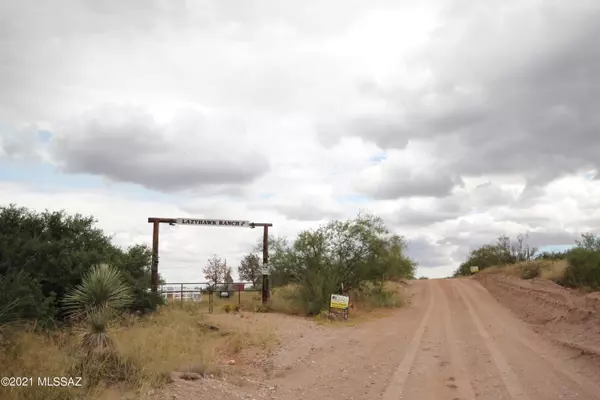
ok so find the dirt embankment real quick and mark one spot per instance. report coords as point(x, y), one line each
point(566, 316)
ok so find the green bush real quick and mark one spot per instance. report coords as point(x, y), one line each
point(21, 297)
point(315, 289)
point(343, 256)
point(285, 299)
point(369, 297)
point(503, 252)
point(583, 269)
point(43, 256)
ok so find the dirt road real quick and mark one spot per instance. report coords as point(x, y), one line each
point(454, 342)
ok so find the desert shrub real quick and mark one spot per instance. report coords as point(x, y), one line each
point(341, 256)
point(285, 299)
point(370, 297)
point(44, 255)
point(503, 252)
point(530, 270)
point(583, 269)
point(21, 297)
point(314, 291)
point(294, 300)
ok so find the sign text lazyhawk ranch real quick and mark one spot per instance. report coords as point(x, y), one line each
point(213, 222)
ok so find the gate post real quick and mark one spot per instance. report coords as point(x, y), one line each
point(265, 275)
point(155, 225)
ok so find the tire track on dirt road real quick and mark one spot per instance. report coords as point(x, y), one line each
point(457, 361)
point(545, 366)
point(485, 378)
point(354, 362)
point(510, 379)
point(435, 372)
point(394, 390)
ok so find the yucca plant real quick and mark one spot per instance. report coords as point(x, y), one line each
point(102, 294)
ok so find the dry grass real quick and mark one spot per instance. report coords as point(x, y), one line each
point(393, 296)
point(245, 300)
point(32, 355)
point(493, 270)
point(372, 304)
point(365, 304)
point(284, 300)
point(543, 269)
point(146, 351)
point(178, 338)
point(555, 271)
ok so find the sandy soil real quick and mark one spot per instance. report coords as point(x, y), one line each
point(565, 316)
point(454, 342)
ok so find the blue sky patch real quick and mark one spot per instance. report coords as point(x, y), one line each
point(590, 175)
point(556, 248)
point(44, 136)
point(354, 199)
point(378, 157)
point(45, 176)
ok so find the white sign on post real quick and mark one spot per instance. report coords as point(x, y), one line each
point(265, 269)
point(213, 222)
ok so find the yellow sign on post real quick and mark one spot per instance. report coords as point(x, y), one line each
point(474, 270)
point(339, 305)
point(340, 302)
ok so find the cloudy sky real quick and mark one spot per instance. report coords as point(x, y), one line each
point(456, 121)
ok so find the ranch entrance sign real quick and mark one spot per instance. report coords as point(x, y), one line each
point(212, 223)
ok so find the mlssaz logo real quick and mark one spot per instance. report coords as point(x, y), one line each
point(60, 381)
